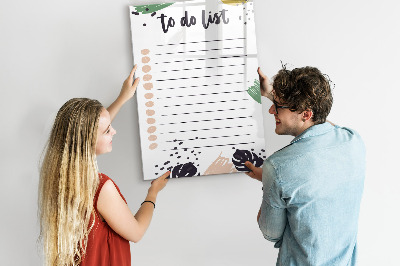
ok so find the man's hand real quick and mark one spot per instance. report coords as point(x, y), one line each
point(265, 86)
point(255, 172)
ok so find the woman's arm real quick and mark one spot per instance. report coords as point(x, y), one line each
point(127, 92)
point(119, 217)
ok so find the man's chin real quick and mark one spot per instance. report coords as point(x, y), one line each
point(277, 131)
point(280, 132)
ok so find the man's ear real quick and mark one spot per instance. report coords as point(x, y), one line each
point(306, 115)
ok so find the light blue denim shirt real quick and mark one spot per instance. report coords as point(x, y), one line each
point(311, 197)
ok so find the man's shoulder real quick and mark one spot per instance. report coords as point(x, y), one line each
point(338, 136)
point(282, 157)
point(348, 136)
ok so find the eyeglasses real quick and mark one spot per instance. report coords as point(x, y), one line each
point(278, 106)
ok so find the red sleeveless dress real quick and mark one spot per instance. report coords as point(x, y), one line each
point(105, 247)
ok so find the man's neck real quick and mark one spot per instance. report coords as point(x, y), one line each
point(305, 126)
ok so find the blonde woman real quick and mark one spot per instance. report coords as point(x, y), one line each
point(84, 219)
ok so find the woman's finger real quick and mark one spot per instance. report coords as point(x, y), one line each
point(165, 175)
point(133, 71)
point(136, 82)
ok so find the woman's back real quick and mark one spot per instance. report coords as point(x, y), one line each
point(105, 246)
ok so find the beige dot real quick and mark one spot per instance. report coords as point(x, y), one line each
point(145, 51)
point(151, 129)
point(148, 95)
point(149, 104)
point(148, 86)
point(147, 77)
point(153, 146)
point(150, 112)
point(151, 120)
point(152, 137)
point(146, 68)
point(145, 59)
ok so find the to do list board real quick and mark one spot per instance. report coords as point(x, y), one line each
point(198, 100)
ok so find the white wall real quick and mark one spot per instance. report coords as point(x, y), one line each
point(51, 51)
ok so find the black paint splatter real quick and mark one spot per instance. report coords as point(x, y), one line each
point(181, 169)
point(241, 156)
point(184, 170)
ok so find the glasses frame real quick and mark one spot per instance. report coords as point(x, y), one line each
point(279, 106)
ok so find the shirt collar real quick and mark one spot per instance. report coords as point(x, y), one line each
point(314, 131)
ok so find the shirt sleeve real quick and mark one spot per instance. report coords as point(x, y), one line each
point(273, 219)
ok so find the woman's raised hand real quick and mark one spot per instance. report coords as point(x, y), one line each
point(129, 87)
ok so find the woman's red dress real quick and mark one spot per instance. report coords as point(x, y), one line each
point(105, 247)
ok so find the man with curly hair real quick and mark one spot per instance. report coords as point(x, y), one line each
point(312, 187)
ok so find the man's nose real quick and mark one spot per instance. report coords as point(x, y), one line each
point(272, 110)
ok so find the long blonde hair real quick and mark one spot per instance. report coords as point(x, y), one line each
point(68, 182)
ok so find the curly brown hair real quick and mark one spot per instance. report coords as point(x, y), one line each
point(304, 88)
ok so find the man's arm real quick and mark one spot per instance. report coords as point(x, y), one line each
point(127, 91)
point(272, 217)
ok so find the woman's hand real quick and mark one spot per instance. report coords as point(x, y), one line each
point(265, 86)
point(127, 91)
point(158, 184)
point(129, 87)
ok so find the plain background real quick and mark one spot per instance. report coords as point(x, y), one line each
point(51, 51)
